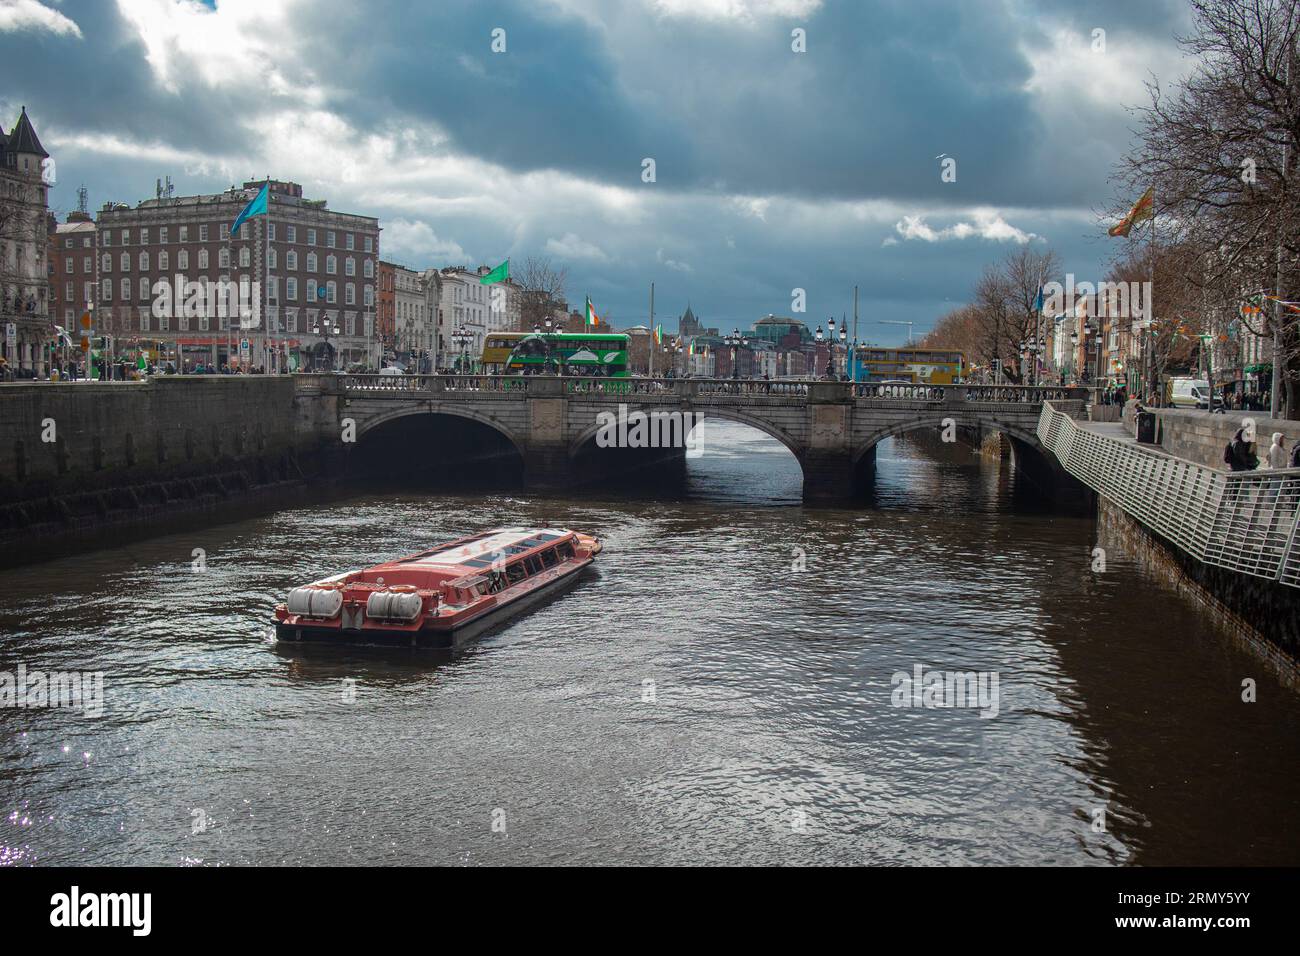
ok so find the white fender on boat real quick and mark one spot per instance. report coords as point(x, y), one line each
point(315, 602)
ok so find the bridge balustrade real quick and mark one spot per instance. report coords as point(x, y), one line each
point(1243, 521)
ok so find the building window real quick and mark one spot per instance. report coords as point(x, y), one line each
point(350, 294)
point(183, 322)
point(184, 233)
point(144, 289)
point(144, 320)
point(370, 244)
point(369, 269)
point(164, 261)
point(67, 243)
point(311, 262)
point(106, 237)
point(349, 241)
point(331, 292)
point(291, 233)
point(349, 266)
point(203, 258)
point(223, 232)
point(106, 262)
point(291, 261)
point(183, 260)
point(126, 288)
point(126, 237)
point(245, 231)
point(370, 295)
point(223, 258)
point(144, 237)
point(291, 288)
point(270, 231)
point(331, 265)
point(203, 233)
point(329, 239)
point(271, 259)
point(291, 319)
point(164, 322)
point(85, 243)
point(311, 290)
point(273, 289)
point(126, 262)
point(162, 235)
point(144, 262)
point(68, 265)
point(90, 290)
point(86, 264)
point(245, 259)
point(69, 290)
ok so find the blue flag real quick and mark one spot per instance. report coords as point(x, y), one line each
point(1038, 302)
point(255, 208)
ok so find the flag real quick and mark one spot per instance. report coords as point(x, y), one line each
point(592, 318)
point(659, 334)
point(1142, 210)
point(1038, 302)
point(255, 208)
point(499, 274)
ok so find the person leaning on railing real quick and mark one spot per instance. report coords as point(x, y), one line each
point(1240, 453)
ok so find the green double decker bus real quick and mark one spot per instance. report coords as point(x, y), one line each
point(594, 355)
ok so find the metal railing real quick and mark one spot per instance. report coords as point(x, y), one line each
point(1244, 521)
point(715, 389)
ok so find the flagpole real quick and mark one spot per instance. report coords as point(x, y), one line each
point(1151, 306)
point(651, 363)
point(853, 366)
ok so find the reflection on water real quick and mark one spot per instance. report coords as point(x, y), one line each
point(699, 700)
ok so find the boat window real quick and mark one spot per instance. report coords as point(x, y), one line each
point(564, 550)
point(496, 581)
point(533, 564)
point(515, 572)
point(548, 558)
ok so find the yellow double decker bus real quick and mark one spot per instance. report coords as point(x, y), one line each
point(916, 366)
point(497, 347)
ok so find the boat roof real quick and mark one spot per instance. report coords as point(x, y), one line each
point(476, 553)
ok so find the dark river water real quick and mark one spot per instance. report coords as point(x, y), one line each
point(700, 699)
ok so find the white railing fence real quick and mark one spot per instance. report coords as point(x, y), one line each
point(1242, 521)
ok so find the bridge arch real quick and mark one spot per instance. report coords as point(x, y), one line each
point(369, 423)
point(936, 421)
point(792, 444)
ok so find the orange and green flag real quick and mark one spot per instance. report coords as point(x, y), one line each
point(593, 319)
point(1142, 210)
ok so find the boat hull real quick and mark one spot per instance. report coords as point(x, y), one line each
point(447, 636)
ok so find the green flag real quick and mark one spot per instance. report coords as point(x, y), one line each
point(499, 274)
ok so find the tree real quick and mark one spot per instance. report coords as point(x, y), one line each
point(541, 285)
point(1222, 151)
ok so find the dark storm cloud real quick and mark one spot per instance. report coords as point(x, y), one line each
point(724, 108)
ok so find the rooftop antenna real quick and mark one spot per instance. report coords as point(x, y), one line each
point(168, 189)
point(82, 204)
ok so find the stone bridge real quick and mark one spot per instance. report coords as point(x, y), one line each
point(831, 427)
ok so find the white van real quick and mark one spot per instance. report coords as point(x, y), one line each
point(1192, 393)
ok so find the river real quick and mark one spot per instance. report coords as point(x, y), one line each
point(721, 691)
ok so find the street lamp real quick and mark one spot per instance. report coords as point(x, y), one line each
point(461, 337)
point(735, 340)
point(325, 329)
point(672, 349)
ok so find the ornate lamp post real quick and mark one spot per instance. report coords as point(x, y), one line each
point(672, 349)
point(325, 327)
point(829, 339)
point(736, 341)
point(461, 337)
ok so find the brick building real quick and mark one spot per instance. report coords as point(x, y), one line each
point(310, 285)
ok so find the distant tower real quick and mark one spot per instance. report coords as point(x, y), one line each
point(25, 148)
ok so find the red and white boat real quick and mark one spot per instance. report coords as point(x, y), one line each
point(441, 597)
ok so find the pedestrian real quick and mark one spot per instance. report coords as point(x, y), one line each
point(1240, 453)
point(1295, 455)
point(1277, 451)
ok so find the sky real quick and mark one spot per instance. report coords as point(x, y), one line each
point(775, 169)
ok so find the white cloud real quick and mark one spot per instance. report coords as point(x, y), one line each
point(986, 224)
point(745, 10)
point(418, 240)
point(573, 247)
point(18, 15)
point(673, 263)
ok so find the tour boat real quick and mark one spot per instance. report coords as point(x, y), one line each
point(441, 597)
